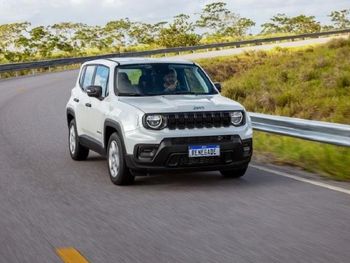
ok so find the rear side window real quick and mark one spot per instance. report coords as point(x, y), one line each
point(101, 79)
point(87, 78)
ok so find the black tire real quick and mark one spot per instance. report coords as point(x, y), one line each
point(234, 173)
point(119, 173)
point(79, 152)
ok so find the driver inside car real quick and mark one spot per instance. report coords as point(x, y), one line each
point(171, 83)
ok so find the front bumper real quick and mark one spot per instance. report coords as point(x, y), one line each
point(172, 154)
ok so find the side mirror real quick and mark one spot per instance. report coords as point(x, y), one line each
point(218, 86)
point(94, 91)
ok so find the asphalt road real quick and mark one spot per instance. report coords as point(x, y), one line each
point(49, 201)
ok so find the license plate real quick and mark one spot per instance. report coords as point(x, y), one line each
point(203, 150)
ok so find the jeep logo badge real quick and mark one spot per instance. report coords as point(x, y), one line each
point(198, 108)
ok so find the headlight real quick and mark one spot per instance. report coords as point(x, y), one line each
point(236, 118)
point(154, 121)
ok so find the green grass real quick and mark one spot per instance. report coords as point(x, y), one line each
point(311, 82)
point(327, 160)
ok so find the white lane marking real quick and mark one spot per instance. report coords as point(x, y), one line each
point(301, 179)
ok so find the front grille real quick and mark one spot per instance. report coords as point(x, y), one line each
point(202, 139)
point(192, 120)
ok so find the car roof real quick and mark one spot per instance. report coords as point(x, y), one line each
point(141, 60)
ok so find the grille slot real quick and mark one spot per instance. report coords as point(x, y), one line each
point(202, 139)
point(198, 120)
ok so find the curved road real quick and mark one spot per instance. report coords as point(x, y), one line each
point(48, 201)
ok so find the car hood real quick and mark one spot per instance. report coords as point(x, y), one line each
point(181, 103)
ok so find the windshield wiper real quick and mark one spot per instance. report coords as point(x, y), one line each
point(180, 92)
point(129, 94)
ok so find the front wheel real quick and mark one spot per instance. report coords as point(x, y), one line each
point(118, 171)
point(234, 173)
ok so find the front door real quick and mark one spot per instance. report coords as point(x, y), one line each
point(84, 105)
point(99, 106)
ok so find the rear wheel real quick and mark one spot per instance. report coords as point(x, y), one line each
point(76, 150)
point(234, 173)
point(118, 171)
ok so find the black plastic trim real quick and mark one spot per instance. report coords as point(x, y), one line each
point(167, 148)
point(70, 111)
point(92, 144)
point(113, 124)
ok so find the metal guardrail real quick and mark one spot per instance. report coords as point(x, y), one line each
point(332, 133)
point(77, 60)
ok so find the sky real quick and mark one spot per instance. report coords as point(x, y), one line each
point(92, 12)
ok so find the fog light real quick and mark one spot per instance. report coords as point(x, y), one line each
point(246, 149)
point(147, 152)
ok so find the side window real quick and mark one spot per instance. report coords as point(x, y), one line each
point(195, 81)
point(134, 75)
point(101, 79)
point(128, 80)
point(88, 76)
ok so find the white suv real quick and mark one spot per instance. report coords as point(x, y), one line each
point(156, 115)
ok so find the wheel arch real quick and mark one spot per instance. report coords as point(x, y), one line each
point(70, 115)
point(109, 127)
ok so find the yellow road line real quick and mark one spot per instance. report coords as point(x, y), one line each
point(70, 255)
point(21, 90)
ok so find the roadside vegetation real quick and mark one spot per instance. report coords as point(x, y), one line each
point(311, 83)
point(21, 41)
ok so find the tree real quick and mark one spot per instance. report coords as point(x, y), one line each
point(305, 24)
point(115, 33)
point(240, 27)
point(281, 23)
point(40, 42)
point(90, 37)
point(10, 46)
point(340, 18)
point(64, 33)
point(179, 33)
point(220, 21)
point(143, 33)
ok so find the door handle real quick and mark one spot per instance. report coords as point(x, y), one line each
point(76, 100)
point(88, 105)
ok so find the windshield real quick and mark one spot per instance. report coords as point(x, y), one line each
point(161, 79)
